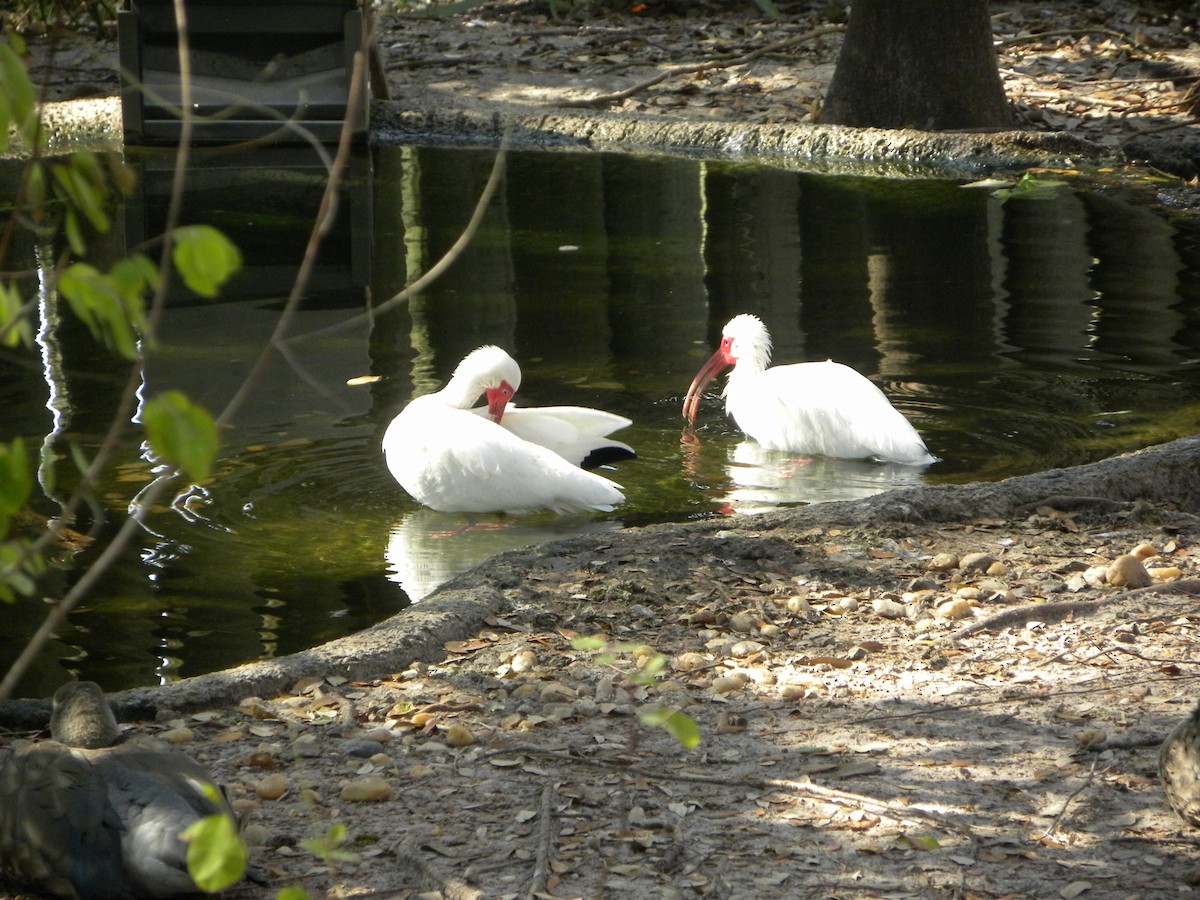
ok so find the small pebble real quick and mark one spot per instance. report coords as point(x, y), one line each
point(742, 623)
point(586, 707)
point(554, 692)
point(1127, 571)
point(523, 661)
point(458, 735)
point(943, 562)
point(745, 648)
point(889, 609)
point(310, 797)
point(976, 562)
point(956, 608)
point(726, 684)
point(922, 584)
point(367, 789)
point(180, 735)
point(272, 787)
point(686, 662)
point(253, 834)
point(361, 749)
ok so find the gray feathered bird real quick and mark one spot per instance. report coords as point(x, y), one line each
point(91, 815)
point(1179, 768)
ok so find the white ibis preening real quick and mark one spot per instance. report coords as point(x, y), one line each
point(817, 408)
point(453, 458)
point(93, 815)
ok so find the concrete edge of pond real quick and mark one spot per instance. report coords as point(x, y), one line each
point(1167, 473)
point(824, 147)
point(96, 124)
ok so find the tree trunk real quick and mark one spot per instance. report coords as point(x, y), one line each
point(926, 64)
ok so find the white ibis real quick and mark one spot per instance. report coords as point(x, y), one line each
point(453, 458)
point(92, 815)
point(817, 408)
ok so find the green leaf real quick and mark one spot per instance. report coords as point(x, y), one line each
point(181, 433)
point(205, 258)
point(326, 848)
point(15, 327)
point(111, 305)
point(678, 724)
point(1031, 187)
point(20, 566)
point(17, 96)
point(920, 841)
point(16, 481)
point(589, 642)
point(654, 665)
point(291, 892)
point(216, 856)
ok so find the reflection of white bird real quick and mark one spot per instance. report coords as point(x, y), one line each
point(762, 479)
point(819, 408)
point(427, 548)
point(453, 458)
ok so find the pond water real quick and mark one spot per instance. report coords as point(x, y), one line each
point(1016, 334)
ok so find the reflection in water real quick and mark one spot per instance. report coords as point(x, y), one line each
point(762, 480)
point(428, 548)
point(1015, 335)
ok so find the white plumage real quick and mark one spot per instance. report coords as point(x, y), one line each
point(453, 458)
point(818, 408)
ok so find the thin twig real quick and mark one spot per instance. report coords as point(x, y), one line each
point(1056, 612)
point(408, 856)
point(785, 43)
point(1064, 32)
point(1053, 827)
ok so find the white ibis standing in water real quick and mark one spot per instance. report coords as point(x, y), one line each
point(817, 408)
point(93, 815)
point(453, 458)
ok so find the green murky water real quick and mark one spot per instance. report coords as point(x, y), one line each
point(1015, 335)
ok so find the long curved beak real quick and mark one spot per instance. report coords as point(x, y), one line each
point(710, 370)
point(497, 399)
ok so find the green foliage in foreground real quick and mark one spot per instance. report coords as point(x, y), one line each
point(216, 856)
point(649, 664)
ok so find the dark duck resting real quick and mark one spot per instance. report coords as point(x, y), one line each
point(92, 815)
point(1179, 768)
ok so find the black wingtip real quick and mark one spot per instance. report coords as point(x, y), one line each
point(603, 456)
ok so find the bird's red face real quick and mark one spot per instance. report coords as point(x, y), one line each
point(497, 399)
point(716, 364)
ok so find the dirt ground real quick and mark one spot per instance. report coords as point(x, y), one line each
point(937, 692)
point(866, 728)
point(1101, 82)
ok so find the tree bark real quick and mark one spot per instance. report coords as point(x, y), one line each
point(924, 64)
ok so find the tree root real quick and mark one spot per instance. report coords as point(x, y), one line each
point(1057, 612)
